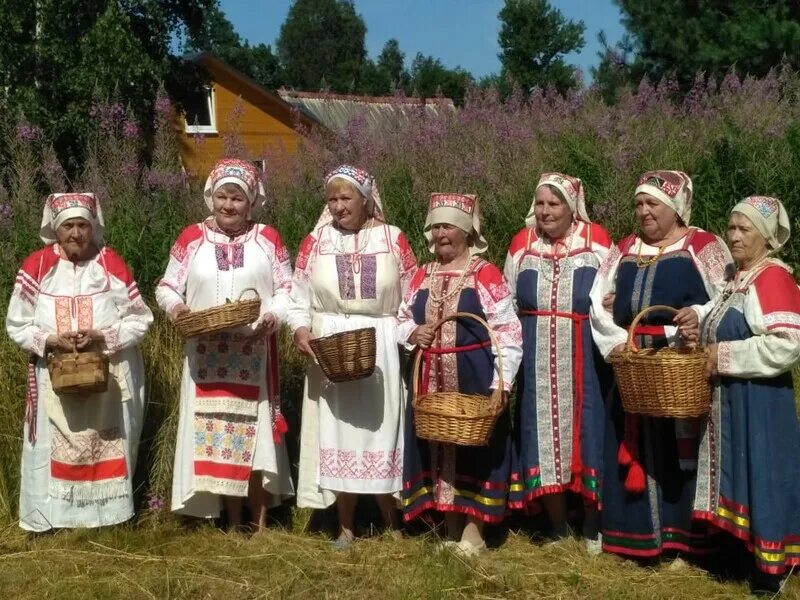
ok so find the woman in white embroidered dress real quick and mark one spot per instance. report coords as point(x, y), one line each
point(230, 430)
point(550, 268)
point(351, 272)
point(78, 453)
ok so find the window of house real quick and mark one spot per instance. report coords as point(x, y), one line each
point(200, 110)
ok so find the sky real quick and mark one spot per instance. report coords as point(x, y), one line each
point(458, 32)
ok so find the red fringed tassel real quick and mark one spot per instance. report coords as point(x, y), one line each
point(628, 456)
point(279, 428)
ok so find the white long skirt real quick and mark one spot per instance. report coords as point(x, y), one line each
point(38, 510)
point(269, 458)
point(351, 436)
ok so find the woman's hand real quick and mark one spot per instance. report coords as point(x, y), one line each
point(422, 336)
point(85, 337)
point(302, 337)
point(177, 311)
point(267, 324)
point(712, 361)
point(608, 303)
point(688, 325)
point(617, 349)
point(63, 342)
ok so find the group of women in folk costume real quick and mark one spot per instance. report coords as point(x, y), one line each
point(565, 302)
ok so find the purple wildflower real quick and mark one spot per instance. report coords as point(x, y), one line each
point(26, 132)
point(130, 129)
point(155, 502)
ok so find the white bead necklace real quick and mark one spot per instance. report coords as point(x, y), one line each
point(439, 299)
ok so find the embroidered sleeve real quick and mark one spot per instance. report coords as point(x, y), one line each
point(601, 242)
point(772, 311)
point(298, 312)
point(405, 319)
point(407, 260)
point(21, 314)
point(606, 333)
point(281, 267)
point(171, 290)
point(497, 303)
point(712, 258)
point(135, 316)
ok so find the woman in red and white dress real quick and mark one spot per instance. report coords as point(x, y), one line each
point(78, 453)
point(230, 430)
point(351, 272)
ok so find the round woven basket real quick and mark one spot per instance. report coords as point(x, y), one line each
point(346, 356)
point(78, 372)
point(454, 417)
point(665, 382)
point(218, 318)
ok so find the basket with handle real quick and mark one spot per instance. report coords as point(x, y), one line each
point(78, 372)
point(347, 355)
point(454, 417)
point(218, 318)
point(664, 382)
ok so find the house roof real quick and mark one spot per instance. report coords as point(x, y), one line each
point(270, 103)
point(334, 111)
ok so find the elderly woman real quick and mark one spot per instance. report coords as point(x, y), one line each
point(468, 484)
point(650, 463)
point(230, 427)
point(351, 272)
point(550, 268)
point(748, 482)
point(79, 452)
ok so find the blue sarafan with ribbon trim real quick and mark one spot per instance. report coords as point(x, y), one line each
point(444, 477)
point(650, 463)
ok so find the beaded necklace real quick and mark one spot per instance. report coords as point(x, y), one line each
point(358, 249)
point(555, 258)
point(439, 299)
point(648, 261)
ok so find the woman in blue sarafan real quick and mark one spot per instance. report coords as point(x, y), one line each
point(469, 485)
point(550, 268)
point(748, 481)
point(650, 464)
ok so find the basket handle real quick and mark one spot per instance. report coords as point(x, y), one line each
point(498, 367)
point(629, 346)
point(249, 289)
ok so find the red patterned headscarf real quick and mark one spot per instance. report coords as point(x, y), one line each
point(362, 181)
point(673, 188)
point(61, 207)
point(459, 210)
point(240, 172)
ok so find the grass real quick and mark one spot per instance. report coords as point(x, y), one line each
point(164, 559)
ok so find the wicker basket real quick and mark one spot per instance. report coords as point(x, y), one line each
point(454, 417)
point(78, 372)
point(224, 316)
point(665, 382)
point(346, 356)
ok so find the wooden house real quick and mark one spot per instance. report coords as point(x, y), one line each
point(234, 104)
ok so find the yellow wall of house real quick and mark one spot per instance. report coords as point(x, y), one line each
point(258, 130)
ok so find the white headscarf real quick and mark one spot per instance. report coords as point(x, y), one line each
point(769, 217)
point(240, 172)
point(571, 189)
point(63, 206)
point(361, 181)
point(673, 188)
point(459, 210)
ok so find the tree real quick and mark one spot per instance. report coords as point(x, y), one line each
point(534, 37)
point(57, 55)
point(218, 37)
point(391, 62)
point(430, 77)
point(684, 36)
point(323, 39)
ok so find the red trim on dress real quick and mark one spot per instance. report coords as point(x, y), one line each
point(216, 389)
point(106, 469)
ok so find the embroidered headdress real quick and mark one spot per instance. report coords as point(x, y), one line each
point(61, 207)
point(362, 181)
point(241, 172)
point(571, 189)
point(673, 188)
point(459, 210)
point(769, 217)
